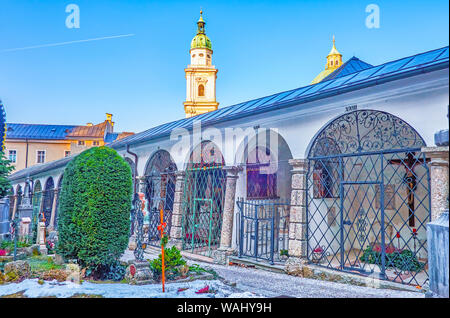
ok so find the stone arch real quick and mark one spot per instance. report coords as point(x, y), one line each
point(203, 200)
point(48, 196)
point(273, 142)
point(159, 192)
point(367, 187)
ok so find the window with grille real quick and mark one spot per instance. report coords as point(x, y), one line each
point(13, 156)
point(40, 156)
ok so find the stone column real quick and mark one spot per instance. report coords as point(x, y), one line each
point(15, 207)
point(40, 216)
point(54, 207)
point(297, 219)
point(439, 180)
point(176, 230)
point(225, 249)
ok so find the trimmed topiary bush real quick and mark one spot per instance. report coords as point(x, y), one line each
point(94, 209)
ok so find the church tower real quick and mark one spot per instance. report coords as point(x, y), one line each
point(334, 61)
point(200, 75)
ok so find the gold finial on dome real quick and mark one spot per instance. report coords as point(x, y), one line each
point(334, 61)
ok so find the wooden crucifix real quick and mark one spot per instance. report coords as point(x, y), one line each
point(409, 163)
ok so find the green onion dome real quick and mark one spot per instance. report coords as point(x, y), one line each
point(201, 41)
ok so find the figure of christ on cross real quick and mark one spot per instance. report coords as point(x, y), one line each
point(409, 163)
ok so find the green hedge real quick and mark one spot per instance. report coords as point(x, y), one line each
point(94, 208)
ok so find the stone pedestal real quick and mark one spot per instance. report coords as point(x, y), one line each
point(24, 228)
point(177, 212)
point(439, 179)
point(438, 256)
point(139, 273)
point(41, 238)
point(297, 219)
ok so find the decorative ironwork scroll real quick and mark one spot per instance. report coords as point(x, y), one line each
point(365, 131)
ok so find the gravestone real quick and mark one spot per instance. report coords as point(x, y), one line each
point(4, 218)
point(438, 256)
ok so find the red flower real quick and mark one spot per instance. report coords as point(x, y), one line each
point(2, 252)
point(318, 249)
point(414, 231)
point(398, 235)
point(132, 270)
point(390, 249)
point(203, 290)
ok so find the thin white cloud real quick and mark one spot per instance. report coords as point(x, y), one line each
point(65, 43)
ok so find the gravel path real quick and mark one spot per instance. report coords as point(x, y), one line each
point(270, 284)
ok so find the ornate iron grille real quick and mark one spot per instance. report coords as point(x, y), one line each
point(160, 182)
point(204, 192)
point(368, 198)
point(263, 229)
point(48, 196)
point(160, 192)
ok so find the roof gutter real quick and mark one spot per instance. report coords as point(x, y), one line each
point(135, 167)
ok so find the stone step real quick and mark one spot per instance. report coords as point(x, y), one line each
point(277, 268)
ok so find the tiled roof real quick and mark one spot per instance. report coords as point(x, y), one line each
point(37, 131)
point(95, 131)
point(351, 66)
point(366, 76)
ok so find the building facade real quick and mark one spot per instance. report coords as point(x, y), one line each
point(341, 173)
point(30, 144)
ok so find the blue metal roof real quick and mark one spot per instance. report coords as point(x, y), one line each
point(351, 66)
point(37, 131)
point(110, 137)
point(367, 75)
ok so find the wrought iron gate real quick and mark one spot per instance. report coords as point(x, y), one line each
point(160, 191)
point(263, 229)
point(368, 198)
point(204, 192)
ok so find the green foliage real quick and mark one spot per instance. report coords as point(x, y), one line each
point(284, 253)
point(115, 272)
point(40, 264)
point(404, 260)
point(94, 208)
point(9, 245)
point(172, 259)
point(5, 170)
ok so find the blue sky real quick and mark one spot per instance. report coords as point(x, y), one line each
point(260, 48)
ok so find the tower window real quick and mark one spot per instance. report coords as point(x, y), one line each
point(201, 55)
point(337, 63)
point(208, 56)
point(331, 62)
point(201, 90)
point(193, 55)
